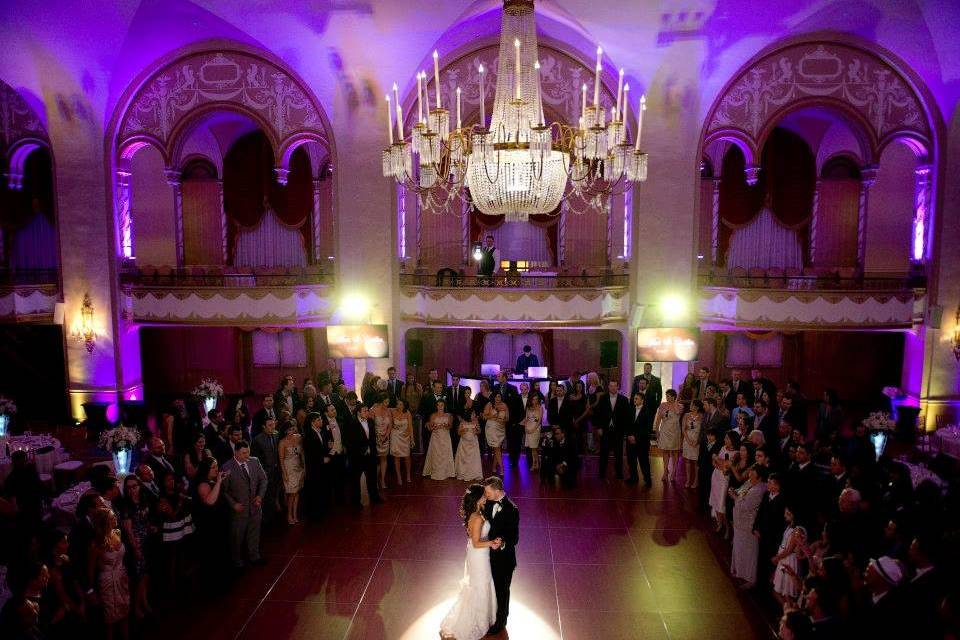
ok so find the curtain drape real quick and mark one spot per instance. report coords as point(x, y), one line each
point(18, 206)
point(34, 245)
point(839, 208)
point(765, 243)
point(482, 224)
point(270, 244)
point(202, 226)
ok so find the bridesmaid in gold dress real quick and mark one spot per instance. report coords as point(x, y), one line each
point(401, 435)
point(382, 424)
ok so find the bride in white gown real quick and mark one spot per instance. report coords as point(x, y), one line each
point(476, 606)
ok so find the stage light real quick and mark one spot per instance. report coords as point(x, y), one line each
point(355, 306)
point(477, 254)
point(673, 308)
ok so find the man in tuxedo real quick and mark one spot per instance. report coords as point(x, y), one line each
point(559, 458)
point(703, 380)
point(313, 455)
point(324, 398)
point(511, 397)
point(148, 480)
point(286, 396)
point(612, 420)
point(739, 385)
point(361, 441)
point(653, 391)
point(428, 405)
point(526, 360)
point(157, 458)
point(333, 460)
point(713, 417)
point(803, 484)
point(455, 398)
point(504, 518)
point(571, 382)
point(266, 411)
point(558, 410)
point(766, 423)
point(726, 396)
point(394, 386)
point(768, 527)
point(638, 440)
point(264, 449)
point(790, 413)
point(244, 488)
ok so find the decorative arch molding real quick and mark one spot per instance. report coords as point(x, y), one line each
point(163, 105)
point(865, 85)
point(21, 133)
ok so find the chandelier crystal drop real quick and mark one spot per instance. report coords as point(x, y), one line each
point(520, 165)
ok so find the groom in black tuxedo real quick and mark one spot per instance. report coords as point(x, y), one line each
point(504, 519)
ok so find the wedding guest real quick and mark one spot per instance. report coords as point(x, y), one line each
point(439, 463)
point(194, 454)
point(394, 386)
point(496, 415)
point(718, 482)
point(613, 416)
point(768, 527)
point(638, 440)
point(292, 465)
point(383, 424)
point(63, 598)
point(136, 522)
point(266, 411)
point(743, 563)
point(333, 462)
point(652, 388)
point(559, 410)
point(692, 424)
point(786, 578)
point(526, 360)
point(927, 585)
point(265, 448)
point(82, 535)
point(401, 438)
point(157, 459)
point(244, 489)
point(428, 406)
point(667, 427)
point(883, 614)
point(710, 446)
point(286, 396)
point(579, 412)
point(107, 574)
point(829, 415)
point(467, 464)
point(361, 444)
point(412, 393)
point(210, 516)
point(531, 428)
point(175, 516)
point(565, 458)
point(795, 625)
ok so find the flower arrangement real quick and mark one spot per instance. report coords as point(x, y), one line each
point(119, 438)
point(879, 421)
point(208, 388)
point(7, 407)
point(892, 392)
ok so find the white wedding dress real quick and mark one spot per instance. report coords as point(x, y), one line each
point(476, 607)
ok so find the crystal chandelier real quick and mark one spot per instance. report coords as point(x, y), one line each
point(520, 165)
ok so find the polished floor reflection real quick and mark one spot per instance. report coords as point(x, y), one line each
point(605, 561)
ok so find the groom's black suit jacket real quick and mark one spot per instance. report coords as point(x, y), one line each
point(505, 525)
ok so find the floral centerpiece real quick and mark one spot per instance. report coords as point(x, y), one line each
point(7, 410)
point(208, 391)
point(120, 441)
point(880, 425)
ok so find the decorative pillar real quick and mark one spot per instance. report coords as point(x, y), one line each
point(562, 236)
point(815, 220)
point(922, 203)
point(402, 223)
point(627, 225)
point(606, 209)
point(124, 215)
point(173, 179)
point(419, 225)
point(224, 243)
point(752, 172)
point(465, 231)
point(715, 221)
point(315, 221)
point(868, 176)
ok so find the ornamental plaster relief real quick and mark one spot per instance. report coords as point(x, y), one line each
point(26, 302)
point(253, 306)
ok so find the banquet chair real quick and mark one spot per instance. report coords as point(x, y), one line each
point(45, 458)
point(66, 474)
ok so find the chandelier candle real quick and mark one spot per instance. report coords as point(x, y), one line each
point(389, 120)
point(516, 67)
point(616, 112)
point(583, 104)
point(596, 80)
point(419, 104)
point(436, 74)
point(396, 97)
point(458, 107)
point(640, 109)
point(483, 102)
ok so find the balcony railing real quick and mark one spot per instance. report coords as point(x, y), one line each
point(200, 276)
point(449, 278)
point(27, 277)
point(808, 280)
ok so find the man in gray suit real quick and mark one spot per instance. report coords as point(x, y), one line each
point(244, 489)
point(264, 449)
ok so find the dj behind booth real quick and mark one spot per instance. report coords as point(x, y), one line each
point(559, 446)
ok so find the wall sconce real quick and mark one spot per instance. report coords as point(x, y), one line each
point(84, 333)
point(956, 335)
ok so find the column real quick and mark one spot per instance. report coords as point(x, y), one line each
point(124, 215)
point(224, 244)
point(173, 179)
point(562, 236)
point(715, 222)
point(419, 225)
point(315, 221)
point(606, 210)
point(465, 231)
point(815, 221)
point(868, 176)
point(921, 213)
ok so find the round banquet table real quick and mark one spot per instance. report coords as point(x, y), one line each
point(948, 441)
point(63, 508)
point(31, 444)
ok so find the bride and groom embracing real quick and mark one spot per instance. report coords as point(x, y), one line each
point(492, 521)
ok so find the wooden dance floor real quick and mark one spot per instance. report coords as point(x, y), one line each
point(606, 561)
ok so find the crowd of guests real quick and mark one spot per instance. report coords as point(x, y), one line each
point(841, 541)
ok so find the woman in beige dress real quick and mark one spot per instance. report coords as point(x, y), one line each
point(468, 464)
point(439, 461)
point(108, 574)
point(667, 427)
point(292, 468)
point(496, 414)
point(531, 429)
point(382, 425)
point(692, 423)
point(401, 435)
point(412, 394)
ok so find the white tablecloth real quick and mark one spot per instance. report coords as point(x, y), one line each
point(947, 440)
point(31, 444)
point(64, 506)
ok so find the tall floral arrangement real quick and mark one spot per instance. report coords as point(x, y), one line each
point(208, 388)
point(119, 438)
point(7, 407)
point(879, 421)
